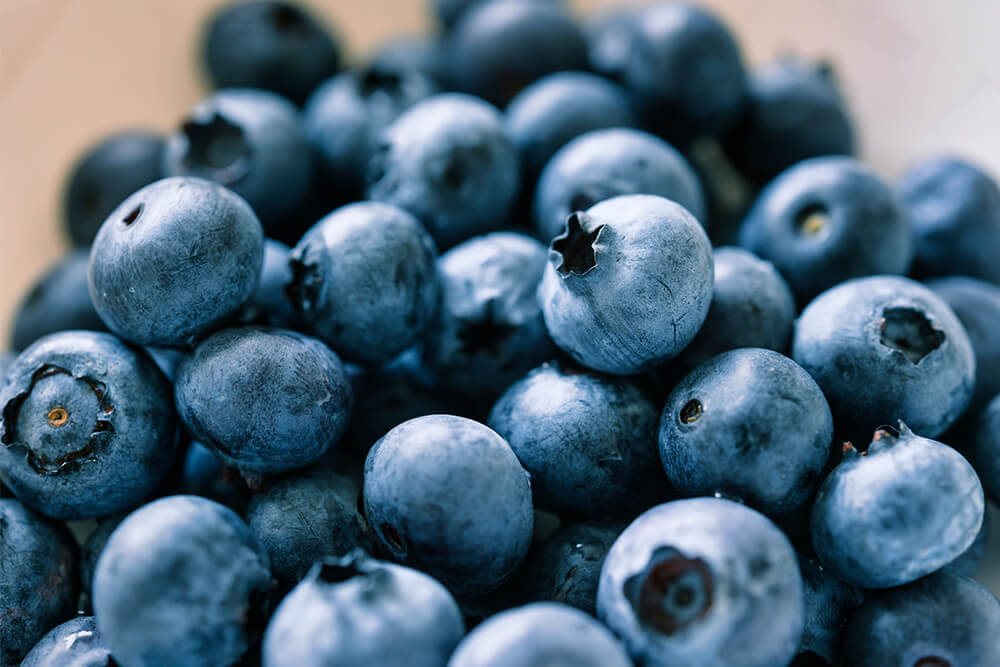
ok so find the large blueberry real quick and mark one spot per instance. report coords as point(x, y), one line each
point(489, 329)
point(271, 45)
point(365, 280)
point(587, 440)
point(106, 174)
point(986, 450)
point(38, 579)
point(749, 423)
point(181, 582)
point(448, 161)
point(829, 604)
point(88, 425)
point(954, 208)
point(943, 620)
point(559, 107)
point(825, 220)
point(268, 304)
point(686, 68)
point(703, 582)
point(447, 495)
point(602, 164)
point(267, 400)
point(252, 142)
point(359, 611)
point(886, 348)
point(907, 507)
point(497, 48)
point(794, 111)
point(59, 301)
point(174, 261)
point(543, 633)
point(977, 305)
point(628, 284)
point(304, 517)
point(75, 643)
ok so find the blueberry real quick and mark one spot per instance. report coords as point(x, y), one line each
point(365, 281)
point(304, 517)
point(829, 604)
point(88, 425)
point(497, 48)
point(752, 306)
point(412, 53)
point(905, 508)
point(567, 566)
point(266, 400)
point(268, 305)
point(182, 582)
point(602, 164)
point(174, 261)
point(359, 611)
point(751, 424)
point(703, 582)
point(559, 107)
point(954, 207)
point(986, 449)
point(686, 68)
point(38, 579)
point(166, 359)
point(104, 175)
point(628, 284)
point(448, 161)
point(886, 348)
point(344, 117)
point(250, 141)
point(271, 45)
point(447, 495)
point(90, 552)
point(489, 329)
point(59, 301)
point(75, 643)
point(609, 39)
point(204, 473)
point(941, 621)
point(977, 305)
point(540, 633)
point(968, 563)
point(794, 111)
point(825, 220)
point(588, 441)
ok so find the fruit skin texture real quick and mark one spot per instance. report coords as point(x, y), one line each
point(602, 164)
point(174, 261)
point(906, 508)
point(250, 141)
point(954, 208)
point(448, 161)
point(751, 424)
point(357, 611)
point(587, 440)
point(829, 604)
point(183, 582)
point(489, 330)
point(88, 425)
point(826, 220)
point(447, 495)
point(104, 175)
point(266, 400)
point(75, 643)
point(497, 48)
point(940, 620)
point(365, 281)
point(38, 578)
point(703, 582)
point(59, 301)
point(540, 633)
point(628, 285)
point(269, 45)
point(886, 348)
point(986, 449)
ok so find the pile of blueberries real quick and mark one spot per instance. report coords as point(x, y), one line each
point(531, 343)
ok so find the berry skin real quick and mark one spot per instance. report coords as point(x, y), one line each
point(627, 284)
point(986, 449)
point(906, 508)
point(75, 643)
point(703, 582)
point(829, 604)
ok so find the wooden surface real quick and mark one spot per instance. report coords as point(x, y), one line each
point(921, 77)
